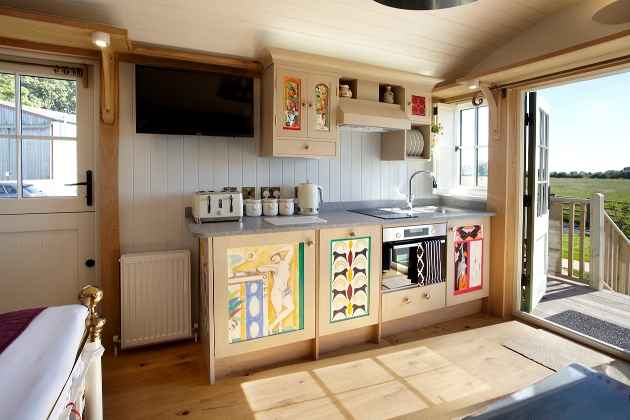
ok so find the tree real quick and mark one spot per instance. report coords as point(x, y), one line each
point(483, 168)
point(41, 92)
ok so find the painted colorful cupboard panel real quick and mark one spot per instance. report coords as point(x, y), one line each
point(349, 278)
point(292, 90)
point(263, 293)
point(468, 248)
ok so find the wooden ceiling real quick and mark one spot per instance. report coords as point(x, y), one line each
point(445, 44)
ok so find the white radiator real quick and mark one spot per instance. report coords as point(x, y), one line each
point(154, 297)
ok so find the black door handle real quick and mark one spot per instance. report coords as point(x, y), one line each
point(88, 182)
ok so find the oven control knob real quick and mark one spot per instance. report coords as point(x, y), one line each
point(398, 235)
point(432, 231)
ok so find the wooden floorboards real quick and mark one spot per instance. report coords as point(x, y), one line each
point(447, 370)
point(563, 295)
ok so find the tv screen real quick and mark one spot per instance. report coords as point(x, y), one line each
point(178, 101)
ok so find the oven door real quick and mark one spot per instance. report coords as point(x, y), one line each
point(412, 263)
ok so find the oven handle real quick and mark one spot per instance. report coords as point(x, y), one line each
point(416, 244)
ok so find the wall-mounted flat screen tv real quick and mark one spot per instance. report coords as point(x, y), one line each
point(179, 101)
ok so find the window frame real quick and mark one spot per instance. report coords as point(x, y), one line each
point(458, 147)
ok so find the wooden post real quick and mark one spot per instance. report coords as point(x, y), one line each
point(596, 279)
point(555, 236)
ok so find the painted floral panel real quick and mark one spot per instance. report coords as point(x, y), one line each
point(265, 291)
point(349, 278)
point(322, 108)
point(292, 88)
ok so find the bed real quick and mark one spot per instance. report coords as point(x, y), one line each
point(50, 366)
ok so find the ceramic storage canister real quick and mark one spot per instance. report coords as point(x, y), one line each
point(270, 206)
point(285, 206)
point(253, 207)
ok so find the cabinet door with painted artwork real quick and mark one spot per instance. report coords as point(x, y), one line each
point(418, 105)
point(467, 253)
point(292, 94)
point(349, 278)
point(264, 289)
point(322, 107)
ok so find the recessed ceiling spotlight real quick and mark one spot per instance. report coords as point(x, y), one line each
point(473, 84)
point(423, 4)
point(100, 39)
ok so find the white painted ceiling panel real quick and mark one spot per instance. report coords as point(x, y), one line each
point(445, 43)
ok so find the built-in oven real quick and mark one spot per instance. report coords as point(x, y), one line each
point(414, 256)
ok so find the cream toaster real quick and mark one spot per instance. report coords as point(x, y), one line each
point(211, 206)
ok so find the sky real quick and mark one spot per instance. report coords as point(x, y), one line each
point(590, 124)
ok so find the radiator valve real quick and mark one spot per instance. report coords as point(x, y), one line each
point(195, 330)
point(116, 341)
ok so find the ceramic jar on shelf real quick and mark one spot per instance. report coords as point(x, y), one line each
point(270, 206)
point(253, 207)
point(388, 95)
point(285, 206)
point(344, 91)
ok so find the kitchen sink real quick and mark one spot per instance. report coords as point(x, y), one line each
point(426, 209)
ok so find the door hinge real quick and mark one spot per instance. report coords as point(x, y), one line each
point(527, 200)
point(525, 280)
point(529, 118)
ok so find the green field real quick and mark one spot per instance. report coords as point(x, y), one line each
point(613, 189)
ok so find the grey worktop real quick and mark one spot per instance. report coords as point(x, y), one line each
point(336, 217)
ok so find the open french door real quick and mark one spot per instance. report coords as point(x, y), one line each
point(535, 201)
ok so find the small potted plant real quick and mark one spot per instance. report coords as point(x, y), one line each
point(436, 128)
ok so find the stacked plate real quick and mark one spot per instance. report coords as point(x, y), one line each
point(414, 143)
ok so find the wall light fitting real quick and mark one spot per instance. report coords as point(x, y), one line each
point(423, 4)
point(100, 39)
point(473, 84)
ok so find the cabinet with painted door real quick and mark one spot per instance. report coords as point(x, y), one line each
point(349, 278)
point(467, 259)
point(418, 104)
point(299, 113)
point(256, 292)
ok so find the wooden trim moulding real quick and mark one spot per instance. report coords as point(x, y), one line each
point(191, 65)
point(18, 44)
point(198, 58)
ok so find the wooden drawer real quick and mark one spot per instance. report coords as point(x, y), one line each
point(305, 148)
point(394, 304)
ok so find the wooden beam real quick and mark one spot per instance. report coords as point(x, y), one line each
point(18, 44)
point(171, 62)
point(198, 58)
point(107, 112)
point(109, 217)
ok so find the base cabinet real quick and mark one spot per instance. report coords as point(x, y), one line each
point(467, 260)
point(349, 278)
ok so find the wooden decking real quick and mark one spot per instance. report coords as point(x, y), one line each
point(445, 371)
point(563, 295)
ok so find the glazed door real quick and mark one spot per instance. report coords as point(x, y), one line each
point(322, 107)
point(291, 103)
point(536, 206)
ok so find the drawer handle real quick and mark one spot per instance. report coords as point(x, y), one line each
point(407, 300)
point(310, 244)
point(307, 147)
point(353, 235)
point(427, 296)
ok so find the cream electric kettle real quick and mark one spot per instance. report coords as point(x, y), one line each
point(308, 198)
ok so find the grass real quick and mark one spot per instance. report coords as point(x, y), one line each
point(613, 189)
point(576, 248)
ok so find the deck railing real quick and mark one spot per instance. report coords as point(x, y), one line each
point(609, 249)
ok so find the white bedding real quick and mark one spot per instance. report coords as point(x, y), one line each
point(34, 368)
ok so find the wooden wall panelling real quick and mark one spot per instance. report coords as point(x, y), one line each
point(221, 163)
point(191, 172)
point(235, 162)
point(288, 176)
point(375, 155)
point(157, 191)
point(355, 166)
point(109, 219)
point(205, 161)
point(324, 177)
point(175, 193)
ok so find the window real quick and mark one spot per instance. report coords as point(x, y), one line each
point(473, 146)
point(38, 135)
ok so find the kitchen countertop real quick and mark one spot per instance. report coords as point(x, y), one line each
point(334, 219)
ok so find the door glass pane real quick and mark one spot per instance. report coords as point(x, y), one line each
point(468, 127)
point(7, 104)
point(482, 125)
point(482, 167)
point(7, 168)
point(49, 106)
point(467, 176)
point(49, 164)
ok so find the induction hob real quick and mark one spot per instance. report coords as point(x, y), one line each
point(384, 213)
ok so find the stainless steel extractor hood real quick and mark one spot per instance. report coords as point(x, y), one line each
point(376, 117)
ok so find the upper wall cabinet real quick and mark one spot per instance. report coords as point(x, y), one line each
point(300, 100)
